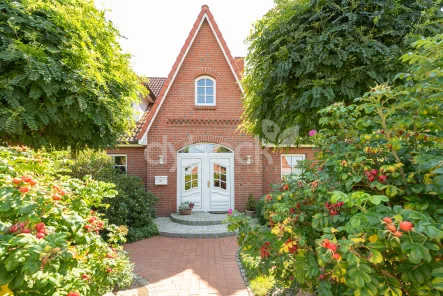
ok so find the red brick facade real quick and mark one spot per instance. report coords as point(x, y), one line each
point(175, 122)
point(272, 164)
point(136, 163)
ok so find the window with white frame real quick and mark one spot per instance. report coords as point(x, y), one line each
point(120, 162)
point(289, 164)
point(204, 91)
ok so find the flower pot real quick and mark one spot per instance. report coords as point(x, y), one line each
point(185, 212)
point(250, 213)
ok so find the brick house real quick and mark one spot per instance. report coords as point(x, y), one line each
point(187, 145)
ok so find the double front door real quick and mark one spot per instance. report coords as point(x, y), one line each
point(207, 181)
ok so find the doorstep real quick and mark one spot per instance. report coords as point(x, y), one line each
point(196, 225)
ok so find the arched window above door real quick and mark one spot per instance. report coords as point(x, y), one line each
point(205, 148)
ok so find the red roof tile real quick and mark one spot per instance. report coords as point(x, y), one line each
point(237, 73)
point(138, 126)
point(155, 84)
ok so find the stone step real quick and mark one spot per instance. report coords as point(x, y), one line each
point(199, 218)
point(167, 227)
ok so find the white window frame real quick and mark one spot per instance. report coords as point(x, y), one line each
point(119, 165)
point(281, 162)
point(196, 91)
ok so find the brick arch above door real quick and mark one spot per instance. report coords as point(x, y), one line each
point(205, 139)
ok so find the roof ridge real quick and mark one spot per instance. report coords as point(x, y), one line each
point(205, 13)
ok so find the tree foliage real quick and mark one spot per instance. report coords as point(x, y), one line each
point(306, 55)
point(365, 217)
point(64, 81)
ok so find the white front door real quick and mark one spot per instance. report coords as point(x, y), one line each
point(191, 186)
point(219, 184)
point(207, 181)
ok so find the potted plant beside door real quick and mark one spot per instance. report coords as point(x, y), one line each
point(185, 208)
point(250, 206)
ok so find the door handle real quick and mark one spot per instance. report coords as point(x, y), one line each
point(209, 183)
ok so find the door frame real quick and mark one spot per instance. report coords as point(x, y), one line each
point(205, 178)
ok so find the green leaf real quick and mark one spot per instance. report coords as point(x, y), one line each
point(437, 283)
point(376, 256)
point(5, 276)
point(437, 272)
point(17, 282)
point(374, 199)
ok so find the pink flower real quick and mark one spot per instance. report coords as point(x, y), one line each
point(230, 212)
point(312, 133)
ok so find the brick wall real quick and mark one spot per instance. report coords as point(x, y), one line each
point(136, 160)
point(180, 123)
point(272, 164)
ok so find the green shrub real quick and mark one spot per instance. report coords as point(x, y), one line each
point(366, 216)
point(251, 203)
point(133, 206)
point(88, 162)
point(260, 214)
point(261, 285)
point(139, 233)
point(49, 236)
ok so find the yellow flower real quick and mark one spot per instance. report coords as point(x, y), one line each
point(373, 238)
point(277, 229)
point(279, 197)
point(286, 246)
point(357, 240)
point(4, 291)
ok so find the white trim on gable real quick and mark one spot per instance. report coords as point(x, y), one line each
point(205, 17)
point(224, 53)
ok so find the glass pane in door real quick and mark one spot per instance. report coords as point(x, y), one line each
point(191, 177)
point(219, 176)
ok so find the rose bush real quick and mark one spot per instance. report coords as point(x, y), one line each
point(366, 217)
point(49, 237)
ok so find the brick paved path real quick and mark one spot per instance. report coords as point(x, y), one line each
point(180, 266)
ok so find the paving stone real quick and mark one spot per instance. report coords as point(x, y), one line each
point(203, 266)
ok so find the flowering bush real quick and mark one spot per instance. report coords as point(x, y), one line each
point(49, 237)
point(365, 218)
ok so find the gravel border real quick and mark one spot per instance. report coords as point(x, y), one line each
point(243, 272)
point(139, 287)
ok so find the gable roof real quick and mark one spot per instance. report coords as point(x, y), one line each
point(205, 14)
point(132, 138)
point(155, 84)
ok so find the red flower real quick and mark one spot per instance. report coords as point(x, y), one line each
point(382, 178)
point(264, 250)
